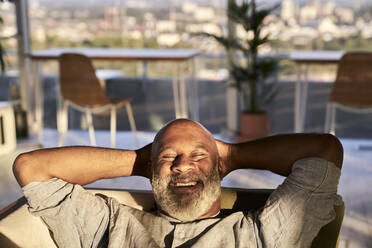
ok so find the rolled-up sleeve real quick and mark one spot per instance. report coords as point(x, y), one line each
point(75, 217)
point(298, 208)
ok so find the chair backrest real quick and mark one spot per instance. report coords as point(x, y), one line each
point(18, 228)
point(353, 85)
point(78, 81)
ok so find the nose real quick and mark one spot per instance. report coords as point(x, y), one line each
point(182, 164)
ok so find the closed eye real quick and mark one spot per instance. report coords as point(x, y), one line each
point(198, 156)
point(168, 157)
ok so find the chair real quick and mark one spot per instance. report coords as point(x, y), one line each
point(352, 90)
point(18, 228)
point(81, 89)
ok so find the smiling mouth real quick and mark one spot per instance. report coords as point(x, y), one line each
point(186, 187)
point(188, 184)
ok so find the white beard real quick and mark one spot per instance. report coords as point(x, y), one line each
point(191, 206)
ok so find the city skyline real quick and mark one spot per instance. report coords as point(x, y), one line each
point(205, 2)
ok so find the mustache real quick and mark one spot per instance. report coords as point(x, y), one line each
point(200, 178)
point(191, 176)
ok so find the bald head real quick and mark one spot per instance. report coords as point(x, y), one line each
point(183, 129)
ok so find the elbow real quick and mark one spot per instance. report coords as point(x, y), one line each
point(19, 166)
point(23, 169)
point(333, 150)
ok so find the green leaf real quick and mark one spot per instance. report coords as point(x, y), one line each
point(2, 61)
point(249, 77)
point(225, 42)
point(267, 67)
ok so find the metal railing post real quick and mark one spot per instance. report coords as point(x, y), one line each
point(24, 48)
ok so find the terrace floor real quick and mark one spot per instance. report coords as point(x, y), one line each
point(354, 186)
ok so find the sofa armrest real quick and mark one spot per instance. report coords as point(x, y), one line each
point(19, 228)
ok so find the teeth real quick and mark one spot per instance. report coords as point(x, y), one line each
point(185, 184)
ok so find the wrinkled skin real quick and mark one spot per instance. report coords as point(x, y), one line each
point(186, 181)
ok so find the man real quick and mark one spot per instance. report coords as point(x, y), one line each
point(185, 165)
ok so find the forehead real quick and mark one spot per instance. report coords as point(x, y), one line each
point(185, 136)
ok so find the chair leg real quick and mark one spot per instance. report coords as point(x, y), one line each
point(62, 121)
point(327, 118)
point(132, 123)
point(113, 127)
point(330, 124)
point(333, 119)
point(92, 137)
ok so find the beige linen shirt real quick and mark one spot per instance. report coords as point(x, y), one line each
point(292, 216)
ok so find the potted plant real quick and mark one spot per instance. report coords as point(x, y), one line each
point(251, 73)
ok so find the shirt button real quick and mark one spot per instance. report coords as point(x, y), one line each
point(182, 235)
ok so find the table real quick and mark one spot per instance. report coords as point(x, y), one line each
point(303, 60)
point(183, 61)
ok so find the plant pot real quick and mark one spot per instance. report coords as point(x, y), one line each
point(253, 126)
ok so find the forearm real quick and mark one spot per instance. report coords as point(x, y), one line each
point(278, 153)
point(80, 165)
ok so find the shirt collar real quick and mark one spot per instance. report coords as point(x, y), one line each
point(172, 219)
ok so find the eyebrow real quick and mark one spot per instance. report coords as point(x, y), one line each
point(202, 147)
point(162, 149)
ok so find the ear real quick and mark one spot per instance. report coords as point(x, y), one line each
point(150, 168)
point(220, 167)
